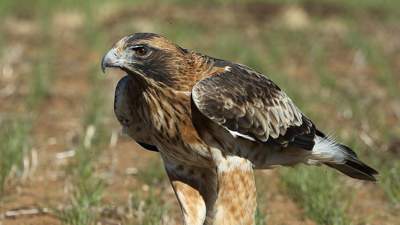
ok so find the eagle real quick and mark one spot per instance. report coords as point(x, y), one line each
point(213, 123)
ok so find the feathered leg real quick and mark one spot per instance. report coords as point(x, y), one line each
point(196, 191)
point(236, 202)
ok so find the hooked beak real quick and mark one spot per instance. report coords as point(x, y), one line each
point(111, 59)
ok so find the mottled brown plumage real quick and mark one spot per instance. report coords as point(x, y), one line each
point(213, 122)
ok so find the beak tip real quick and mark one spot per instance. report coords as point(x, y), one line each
point(110, 59)
point(103, 64)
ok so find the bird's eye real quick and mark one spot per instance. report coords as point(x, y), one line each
point(139, 50)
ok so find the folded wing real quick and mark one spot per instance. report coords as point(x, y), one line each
point(250, 105)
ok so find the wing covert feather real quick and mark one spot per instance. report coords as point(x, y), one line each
point(245, 101)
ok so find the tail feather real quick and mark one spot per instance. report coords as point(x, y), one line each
point(355, 169)
point(342, 158)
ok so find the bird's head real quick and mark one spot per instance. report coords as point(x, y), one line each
point(149, 55)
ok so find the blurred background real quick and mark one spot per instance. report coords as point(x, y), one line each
point(64, 161)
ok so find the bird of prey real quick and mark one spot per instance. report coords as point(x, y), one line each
point(213, 122)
